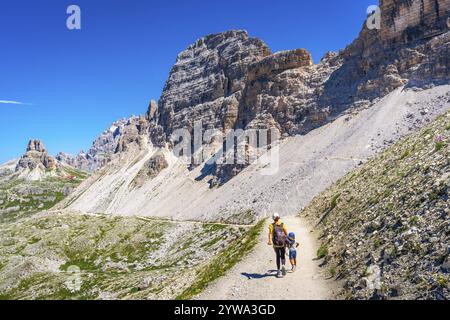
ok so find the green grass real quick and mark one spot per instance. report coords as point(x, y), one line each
point(46, 195)
point(223, 262)
point(427, 131)
point(34, 240)
point(414, 220)
point(405, 155)
point(187, 244)
point(433, 196)
point(334, 201)
point(83, 264)
point(377, 243)
point(440, 145)
point(81, 175)
point(211, 243)
point(443, 282)
point(322, 252)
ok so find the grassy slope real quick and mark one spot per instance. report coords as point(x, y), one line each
point(20, 198)
point(119, 257)
point(391, 213)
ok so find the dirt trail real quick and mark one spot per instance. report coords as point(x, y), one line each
point(254, 277)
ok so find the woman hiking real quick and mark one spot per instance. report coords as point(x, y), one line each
point(278, 237)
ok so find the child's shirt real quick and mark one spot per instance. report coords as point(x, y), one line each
point(292, 245)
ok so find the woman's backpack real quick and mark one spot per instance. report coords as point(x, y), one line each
point(278, 236)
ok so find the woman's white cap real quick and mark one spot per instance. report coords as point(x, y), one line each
point(276, 215)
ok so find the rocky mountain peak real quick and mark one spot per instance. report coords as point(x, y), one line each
point(36, 145)
point(206, 78)
point(219, 41)
point(36, 156)
point(230, 80)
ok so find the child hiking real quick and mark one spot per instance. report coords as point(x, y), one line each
point(278, 238)
point(292, 246)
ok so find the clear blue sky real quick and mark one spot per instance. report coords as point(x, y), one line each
point(73, 84)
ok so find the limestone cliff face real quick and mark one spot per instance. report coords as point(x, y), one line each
point(408, 20)
point(280, 90)
point(229, 80)
point(411, 48)
point(133, 134)
point(206, 82)
point(232, 81)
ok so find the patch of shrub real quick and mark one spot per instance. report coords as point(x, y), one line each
point(322, 252)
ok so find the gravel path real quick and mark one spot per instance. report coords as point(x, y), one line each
point(254, 277)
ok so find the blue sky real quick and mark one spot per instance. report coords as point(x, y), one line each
point(72, 84)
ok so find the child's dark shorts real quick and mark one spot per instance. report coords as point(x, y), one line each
point(292, 254)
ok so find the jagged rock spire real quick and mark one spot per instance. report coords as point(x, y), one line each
point(36, 156)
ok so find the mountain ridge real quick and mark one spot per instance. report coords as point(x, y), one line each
point(232, 81)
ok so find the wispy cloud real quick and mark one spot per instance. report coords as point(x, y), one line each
point(13, 102)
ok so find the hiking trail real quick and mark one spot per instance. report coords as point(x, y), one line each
point(254, 277)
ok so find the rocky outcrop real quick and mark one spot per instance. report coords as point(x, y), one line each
point(411, 48)
point(151, 169)
point(232, 81)
point(36, 156)
point(286, 91)
point(279, 91)
point(37, 146)
point(133, 134)
point(206, 81)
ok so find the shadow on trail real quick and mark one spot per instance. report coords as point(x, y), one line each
point(270, 273)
